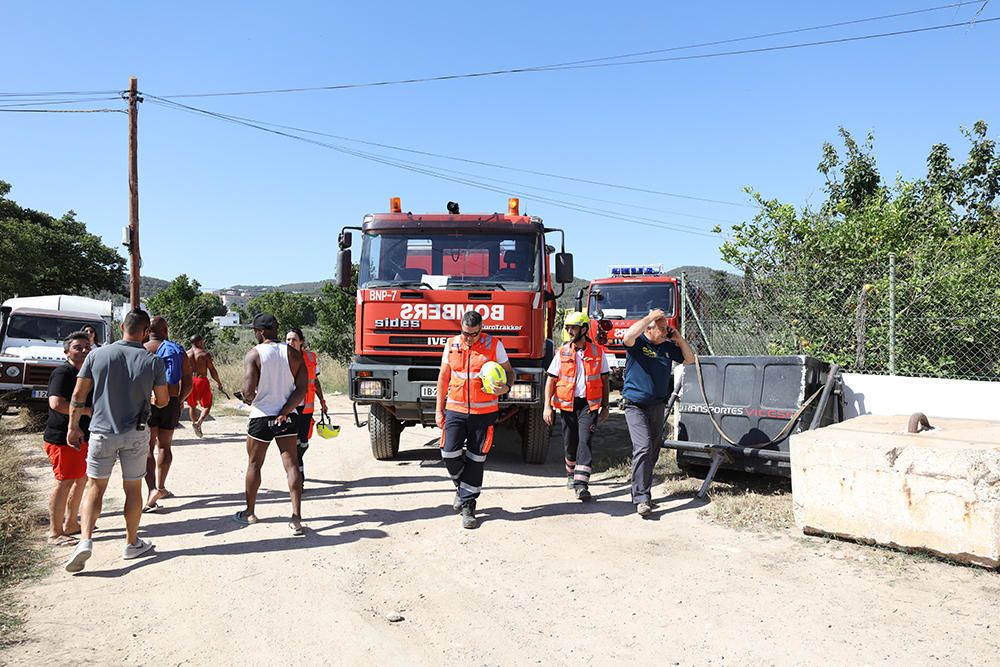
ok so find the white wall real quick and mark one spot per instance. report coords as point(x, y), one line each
point(896, 395)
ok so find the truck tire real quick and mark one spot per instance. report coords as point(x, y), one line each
point(383, 432)
point(534, 437)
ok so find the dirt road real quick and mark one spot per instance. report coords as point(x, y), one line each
point(544, 580)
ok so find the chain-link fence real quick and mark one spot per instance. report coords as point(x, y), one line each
point(911, 316)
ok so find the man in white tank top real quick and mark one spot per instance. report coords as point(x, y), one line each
point(274, 383)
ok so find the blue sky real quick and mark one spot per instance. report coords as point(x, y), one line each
point(228, 204)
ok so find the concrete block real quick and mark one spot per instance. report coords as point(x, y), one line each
point(867, 479)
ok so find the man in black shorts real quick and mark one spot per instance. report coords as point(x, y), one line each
point(274, 383)
point(163, 421)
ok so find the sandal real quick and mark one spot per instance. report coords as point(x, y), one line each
point(62, 541)
point(243, 520)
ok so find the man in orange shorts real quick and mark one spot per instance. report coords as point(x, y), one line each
point(69, 464)
point(201, 391)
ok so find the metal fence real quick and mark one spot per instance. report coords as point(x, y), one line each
point(909, 316)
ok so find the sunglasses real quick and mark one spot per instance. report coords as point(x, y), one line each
point(471, 334)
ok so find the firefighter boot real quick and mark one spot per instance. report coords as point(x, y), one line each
point(469, 515)
point(456, 504)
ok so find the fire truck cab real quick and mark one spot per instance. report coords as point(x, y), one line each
point(616, 303)
point(418, 274)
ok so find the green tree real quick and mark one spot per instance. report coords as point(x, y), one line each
point(41, 254)
point(291, 310)
point(818, 280)
point(335, 317)
point(188, 310)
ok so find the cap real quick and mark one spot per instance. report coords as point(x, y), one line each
point(265, 322)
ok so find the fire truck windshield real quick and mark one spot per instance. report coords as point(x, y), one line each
point(630, 301)
point(463, 260)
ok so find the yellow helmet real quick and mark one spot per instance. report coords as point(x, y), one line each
point(576, 319)
point(492, 374)
point(327, 430)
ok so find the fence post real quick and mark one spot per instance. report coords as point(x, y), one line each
point(683, 303)
point(892, 313)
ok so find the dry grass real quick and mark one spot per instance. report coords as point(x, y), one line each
point(738, 500)
point(20, 557)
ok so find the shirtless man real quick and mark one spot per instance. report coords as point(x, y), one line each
point(163, 421)
point(274, 383)
point(201, 392)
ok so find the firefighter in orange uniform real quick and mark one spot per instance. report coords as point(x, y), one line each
point(468, 416)
point(304, 423)
point(578, 388)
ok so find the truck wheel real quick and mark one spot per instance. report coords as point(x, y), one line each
point(534, 437)
point(383, 432)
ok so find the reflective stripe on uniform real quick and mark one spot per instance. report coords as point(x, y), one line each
point(478, 458)
point(452, 454)
point(468, 487)
point(459, 406)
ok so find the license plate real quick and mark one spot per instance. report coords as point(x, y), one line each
point(429, 391)
point(615, 362)
point(39, 393)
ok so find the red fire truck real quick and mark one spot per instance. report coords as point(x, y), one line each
point(615, 303)
point(417, 276)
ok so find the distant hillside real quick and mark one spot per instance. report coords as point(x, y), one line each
point(704, 275)
point(148, 286)
point(297, 288)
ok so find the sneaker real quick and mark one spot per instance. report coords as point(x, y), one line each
point(643, 509)
point(135, 550)
point(569, 482)
point(456, 504)
point(469, 515)
point(582, 493)
point(84, 550)
point(197, 430)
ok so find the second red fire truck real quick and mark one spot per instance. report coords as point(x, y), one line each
point(617, 302)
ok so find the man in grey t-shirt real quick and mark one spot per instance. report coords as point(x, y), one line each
point(123, 376)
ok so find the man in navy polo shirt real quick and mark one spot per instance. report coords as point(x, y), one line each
point(651, 345)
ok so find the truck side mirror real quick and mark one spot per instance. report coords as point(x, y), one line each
point(344, 240)
point(344, 268)
point(564, 267)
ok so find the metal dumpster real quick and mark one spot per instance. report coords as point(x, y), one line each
point(757, 402)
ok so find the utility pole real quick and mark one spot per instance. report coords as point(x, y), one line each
point(135, 259)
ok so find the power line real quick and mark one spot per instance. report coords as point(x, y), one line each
point(464, 160)
point(56, 102)
point(64, 93)
point(768, 49)
point(63, 111)
point(429, 171)
point(584, 64)
point(779, 33)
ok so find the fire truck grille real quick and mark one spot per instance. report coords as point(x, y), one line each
point(422, 374)
point(37, 375)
